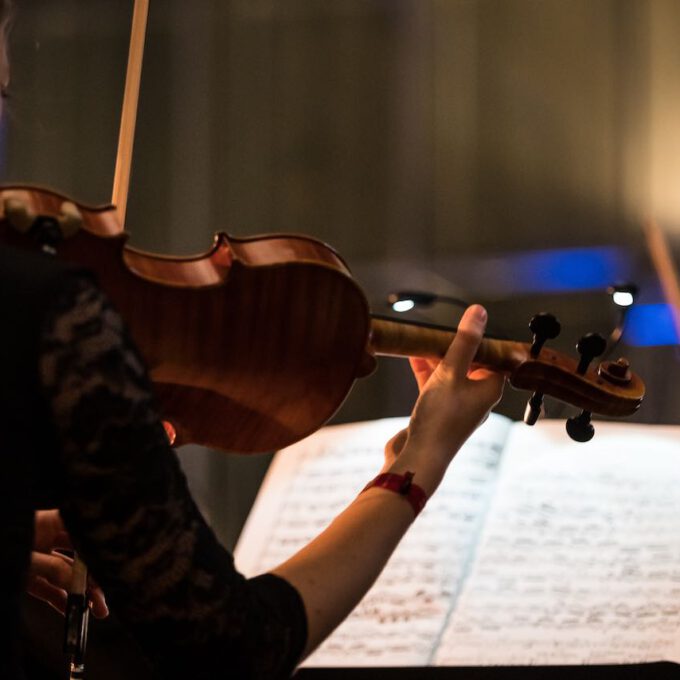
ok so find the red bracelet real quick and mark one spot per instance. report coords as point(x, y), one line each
point(403, 485)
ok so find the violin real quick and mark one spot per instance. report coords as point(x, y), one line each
point(255, 343)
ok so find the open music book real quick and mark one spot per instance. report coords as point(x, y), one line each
point(534, 550)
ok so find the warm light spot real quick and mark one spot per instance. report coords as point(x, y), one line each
point(170, 432)
point(650, 326)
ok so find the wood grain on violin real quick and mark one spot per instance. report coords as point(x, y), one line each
point(255, 343)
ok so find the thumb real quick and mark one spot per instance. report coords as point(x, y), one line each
point(463, 349)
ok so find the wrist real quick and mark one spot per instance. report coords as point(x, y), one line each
point(403, 485)
point(427, 473)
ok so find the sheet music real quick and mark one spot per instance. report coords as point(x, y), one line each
point(579, 559)
point(399, 622)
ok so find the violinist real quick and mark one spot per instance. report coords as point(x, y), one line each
point(81, 433)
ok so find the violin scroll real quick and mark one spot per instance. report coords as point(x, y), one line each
point(610, 389)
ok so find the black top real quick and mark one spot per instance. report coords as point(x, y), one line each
point(122, 495)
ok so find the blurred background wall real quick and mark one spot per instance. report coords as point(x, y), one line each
point(432, 142)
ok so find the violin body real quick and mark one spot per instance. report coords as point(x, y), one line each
point(255, 344)
point(251, 346)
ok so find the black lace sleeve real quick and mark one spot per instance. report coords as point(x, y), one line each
point(132, 518)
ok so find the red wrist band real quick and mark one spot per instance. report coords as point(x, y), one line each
point(404, 486)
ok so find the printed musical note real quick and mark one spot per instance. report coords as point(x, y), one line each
point(579, 560)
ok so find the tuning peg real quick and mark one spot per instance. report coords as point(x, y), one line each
point(544, 326)
point(589, 347)
point(579, 428)
point(533, 409)
point(617, 372)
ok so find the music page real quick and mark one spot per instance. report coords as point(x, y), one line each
point(579, 558)
point(400, 621)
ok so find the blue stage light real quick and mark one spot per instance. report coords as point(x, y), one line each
point(650, 325)
point(563, 270)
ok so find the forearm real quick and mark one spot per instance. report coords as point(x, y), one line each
point(334, 571)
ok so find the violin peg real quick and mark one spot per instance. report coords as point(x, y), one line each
point(616, 372)
point(533, 409)
point(589, 346)
point(544, 327)
point(580, 427)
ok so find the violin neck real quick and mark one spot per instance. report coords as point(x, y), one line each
point(402, 339)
